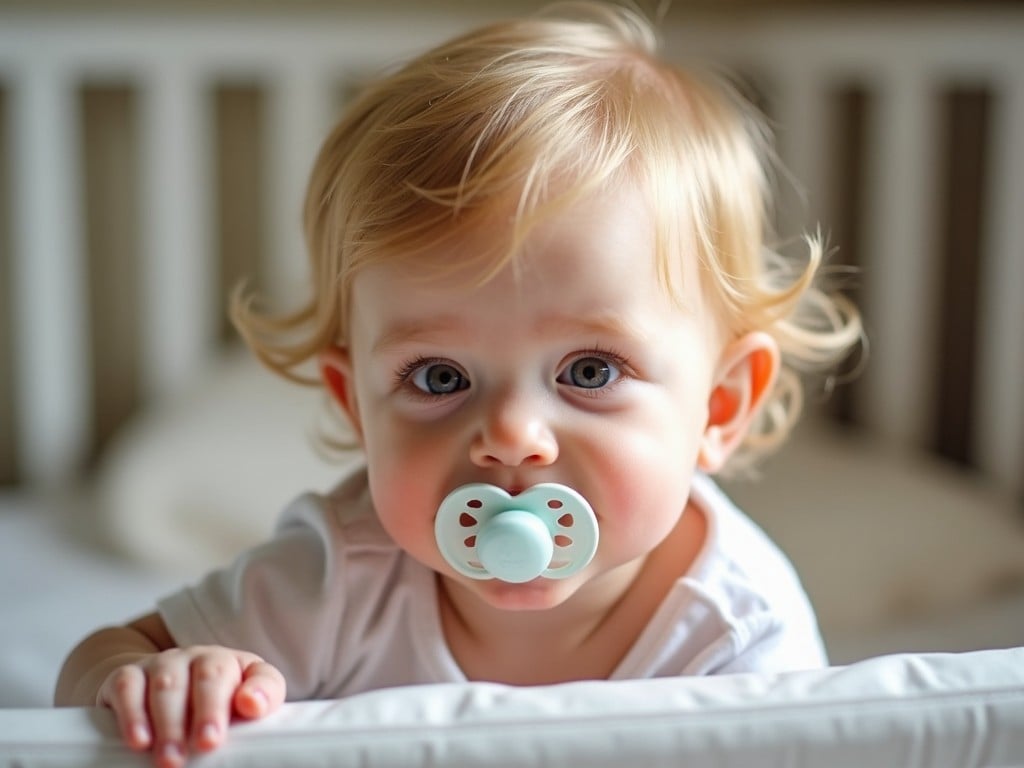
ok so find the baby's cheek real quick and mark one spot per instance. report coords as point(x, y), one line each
point(642, 503)
point(406, 499)
point(398, 496)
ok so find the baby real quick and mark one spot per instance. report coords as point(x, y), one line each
point(543, 300)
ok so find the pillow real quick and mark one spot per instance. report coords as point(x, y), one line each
point(194, 480)
point(940, 711)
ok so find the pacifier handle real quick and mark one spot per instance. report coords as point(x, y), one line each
point(515, 546)
point(547, 530)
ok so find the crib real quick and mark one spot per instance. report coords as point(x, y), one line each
point(150, 160)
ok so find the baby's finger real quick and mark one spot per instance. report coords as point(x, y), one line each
point(262, 690)
point(215, 677)
point(124, 691)
point(168, 701)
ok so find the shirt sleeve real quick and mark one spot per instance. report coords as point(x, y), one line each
point(273, 600)
point(756, 594)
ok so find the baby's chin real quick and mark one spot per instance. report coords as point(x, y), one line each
point(540, 594)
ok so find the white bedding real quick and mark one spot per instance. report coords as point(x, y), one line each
point(56, 587)
point(939, 711)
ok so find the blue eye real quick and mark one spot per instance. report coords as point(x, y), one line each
point(439, 379)
point(589, 373)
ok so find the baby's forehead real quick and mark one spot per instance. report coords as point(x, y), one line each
point(605, 233)
point(539, 303)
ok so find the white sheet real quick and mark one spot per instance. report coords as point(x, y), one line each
point(940, 711)
point(55, 588)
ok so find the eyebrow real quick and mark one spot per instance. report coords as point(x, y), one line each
point(598, 324)
point(413, 331)
point(455, 329)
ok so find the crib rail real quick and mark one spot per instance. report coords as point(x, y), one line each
point(889, 211)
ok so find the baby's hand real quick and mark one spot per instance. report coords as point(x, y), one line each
point(183, 698)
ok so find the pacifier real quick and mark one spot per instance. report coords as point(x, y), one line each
point(485, 533)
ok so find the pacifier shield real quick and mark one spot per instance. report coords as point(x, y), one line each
point(547, 530)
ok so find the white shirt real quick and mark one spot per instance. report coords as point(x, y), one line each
point(334, 604)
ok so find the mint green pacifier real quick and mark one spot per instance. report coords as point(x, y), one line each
point(485, 533)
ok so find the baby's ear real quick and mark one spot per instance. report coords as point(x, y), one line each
point(746, 374)
point(336, 371)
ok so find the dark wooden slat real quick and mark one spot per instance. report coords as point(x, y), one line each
point(849, 108)
point(964, 160)
point(8, 451)
point(111, 200)
point(242, 238)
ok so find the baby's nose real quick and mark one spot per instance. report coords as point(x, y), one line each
point(514, 432)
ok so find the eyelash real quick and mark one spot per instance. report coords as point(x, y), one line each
point(604, 353)
point(405, 373)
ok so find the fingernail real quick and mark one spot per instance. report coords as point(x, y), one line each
point(208, 734)
point(172, 753)
point(260, 699)
point(140, 735)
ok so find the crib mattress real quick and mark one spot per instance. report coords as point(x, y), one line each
point(939, 711)
point(55, 588)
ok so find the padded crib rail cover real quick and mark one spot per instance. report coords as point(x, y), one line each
point(935, 710)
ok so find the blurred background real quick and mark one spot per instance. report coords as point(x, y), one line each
point(153, 154)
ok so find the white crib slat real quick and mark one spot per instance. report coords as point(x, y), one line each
point(1000, 395)
point(179, 273)
point(299, 106)
point(900, 264)
point(53, 385)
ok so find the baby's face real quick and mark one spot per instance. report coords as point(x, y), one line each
point(579, 370)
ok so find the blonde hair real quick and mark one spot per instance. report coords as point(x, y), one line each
point(540, 111)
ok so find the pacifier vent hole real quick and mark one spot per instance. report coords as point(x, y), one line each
point(566, 520)
point(554, 504)
point(561, 540)
point(466, 520)
point(474, 503)
point(470, 542)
